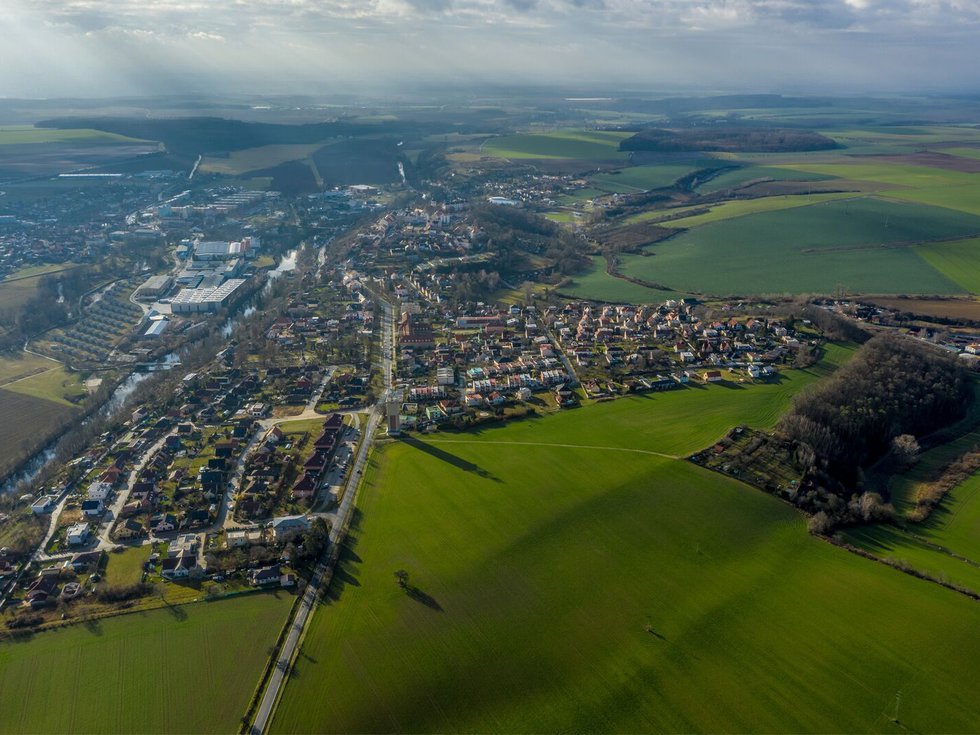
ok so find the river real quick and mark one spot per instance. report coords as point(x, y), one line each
point(127, 387)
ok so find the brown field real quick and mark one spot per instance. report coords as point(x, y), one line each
point(792, 188)
point(949, 308)
point(28, 424)
point(631, 236)
point(930, 159)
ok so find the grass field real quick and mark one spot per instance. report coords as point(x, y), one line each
point(126, 567)
point(810, 249)
point(596, 284)
point(15, 294)
point(741, 207)
point(959, 261)
point(22, 365)
point(53, 384)
point(643, 178)
point(186, 669)
point(571, 144)
point(28, 134)
point(740, 176)
point(583, 589)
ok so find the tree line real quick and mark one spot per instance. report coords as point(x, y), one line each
point(892, 386)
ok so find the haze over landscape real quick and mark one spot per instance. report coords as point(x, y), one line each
point(127, 47)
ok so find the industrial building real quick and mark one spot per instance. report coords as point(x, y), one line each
point(153, 288)
point(204, 300)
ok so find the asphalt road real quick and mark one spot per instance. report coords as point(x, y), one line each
point(287, 653)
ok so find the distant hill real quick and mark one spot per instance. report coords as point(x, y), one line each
point(728, 139)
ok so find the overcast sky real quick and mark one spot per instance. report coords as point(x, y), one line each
point(115, 47)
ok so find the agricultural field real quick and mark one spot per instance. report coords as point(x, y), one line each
point(740, 208)
point(597, 285)
point(28, 422)
point(682, 590)
point(745, 174)
point(570, 144)
point(238, 163)
point(959, 261)
point(861, 244)
point(190, 668)
point(643, 178)
point(29, 151)
point(28, 134)
point(950, 308)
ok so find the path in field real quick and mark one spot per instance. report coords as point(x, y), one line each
point(548, 444)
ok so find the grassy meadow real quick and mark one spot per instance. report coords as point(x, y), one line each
point(567, 144)
point(564, 576)
point(861, 243)
point(596, 284)
point(191, 668)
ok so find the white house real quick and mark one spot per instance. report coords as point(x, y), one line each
point(44, 504)
point(99, 490)
point(77, 534)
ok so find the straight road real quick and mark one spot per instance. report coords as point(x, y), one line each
point(287, 653)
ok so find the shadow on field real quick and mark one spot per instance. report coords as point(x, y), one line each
point(176, 610)
point(730, 385)
point(94, 627)
point(345, 571)
point(419, 596)
point(450, 458)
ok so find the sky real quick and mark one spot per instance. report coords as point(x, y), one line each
point(94, 48)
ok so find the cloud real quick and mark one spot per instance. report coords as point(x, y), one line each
point(124, 46)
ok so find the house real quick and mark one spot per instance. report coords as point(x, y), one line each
point(84, 561)
point(711, 376)
point(178, 567)
point(264, 576)
point(164, 523)
point(130, 528)
point(243, 537)
point(44, 504)
point(77, 534)
point(305, 487)
point(92, 507)
point(184, 544)
point(98, 490)
point(283, 525)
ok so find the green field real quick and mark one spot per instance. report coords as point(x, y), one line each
point(959, 261)
point(126, 567)
point(741, 207)
point(28, 134)
point(559, 584)
point(188, 669)
point(862, 244)
point(54, 384)
point(745, 174)
point(22, 365)
point(596, 284)
point(955, 525)
point(572, 144)
point(643, 178)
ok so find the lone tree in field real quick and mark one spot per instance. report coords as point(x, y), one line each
point(402, 576)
